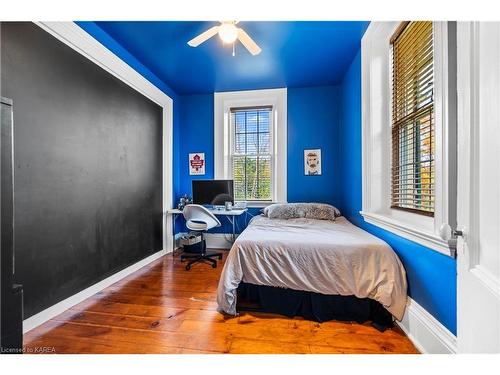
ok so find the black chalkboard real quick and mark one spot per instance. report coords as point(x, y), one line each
point(88, 167)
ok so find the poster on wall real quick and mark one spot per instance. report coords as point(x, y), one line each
point(197, 163)
point(312, 162)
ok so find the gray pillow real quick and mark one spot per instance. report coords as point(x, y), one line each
point(319, 211)
point(283, 211)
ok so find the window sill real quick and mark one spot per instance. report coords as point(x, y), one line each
point(430, 240)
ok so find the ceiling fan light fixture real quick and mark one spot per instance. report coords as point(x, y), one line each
point(228, 33)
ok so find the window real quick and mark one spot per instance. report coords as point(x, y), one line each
point(251, 153)
point(408, 74)
point(412, 171)
point(250, 142)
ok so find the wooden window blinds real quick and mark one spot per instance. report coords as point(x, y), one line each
point(413, 169)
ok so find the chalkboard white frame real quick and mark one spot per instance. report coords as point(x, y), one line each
point(75, 37)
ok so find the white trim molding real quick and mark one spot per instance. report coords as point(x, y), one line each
point(75, 37)
point(427, 334)
point(413, 234)
point(376, 139)
point(277, 98)
point(49, 313)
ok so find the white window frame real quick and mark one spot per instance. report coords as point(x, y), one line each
point(223, 135)
point(232, 146)
point(376, 138)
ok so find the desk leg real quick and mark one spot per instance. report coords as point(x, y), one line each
point(234, 231)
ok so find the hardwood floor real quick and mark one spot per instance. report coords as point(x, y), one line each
point(164, 309)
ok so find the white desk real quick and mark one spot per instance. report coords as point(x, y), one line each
point(229, 214)
point(215, 211)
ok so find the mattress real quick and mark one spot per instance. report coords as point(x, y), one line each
point(331, 258)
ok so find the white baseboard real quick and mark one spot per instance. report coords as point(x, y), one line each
point(60, 307)
point(427, 334)
point(214, 240)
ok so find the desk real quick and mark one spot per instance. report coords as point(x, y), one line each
point(229, 214)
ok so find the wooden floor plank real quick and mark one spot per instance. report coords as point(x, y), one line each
point(164, 342)
point(162, 308)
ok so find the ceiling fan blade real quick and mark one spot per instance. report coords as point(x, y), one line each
point(195, 42)
point(248, 42)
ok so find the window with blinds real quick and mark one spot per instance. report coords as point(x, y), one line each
point(251, 155)
point(413, 168)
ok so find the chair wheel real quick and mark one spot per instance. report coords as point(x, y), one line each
point(220, 257)
point(188, 267)
point(214, 265)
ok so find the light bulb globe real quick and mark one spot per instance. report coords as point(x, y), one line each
point(228, 32)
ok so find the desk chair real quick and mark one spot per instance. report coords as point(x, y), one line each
point(199, 219)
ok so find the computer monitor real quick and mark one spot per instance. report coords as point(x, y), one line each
point(212, 192)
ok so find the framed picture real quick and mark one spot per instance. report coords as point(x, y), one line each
point(312, 162)
point(197, 163)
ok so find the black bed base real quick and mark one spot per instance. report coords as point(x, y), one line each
point(312, 306)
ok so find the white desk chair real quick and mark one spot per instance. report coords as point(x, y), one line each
point(199, 219)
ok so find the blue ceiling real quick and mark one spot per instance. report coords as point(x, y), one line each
point(294, 54)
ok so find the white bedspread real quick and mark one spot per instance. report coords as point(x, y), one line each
point(317, 256)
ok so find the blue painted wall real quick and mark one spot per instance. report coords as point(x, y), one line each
point(313, 122)
point(431, 275)
point(196, 135)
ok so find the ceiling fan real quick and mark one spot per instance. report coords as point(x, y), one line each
point(229, 33)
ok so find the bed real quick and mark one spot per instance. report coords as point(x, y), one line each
point(322, 258)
